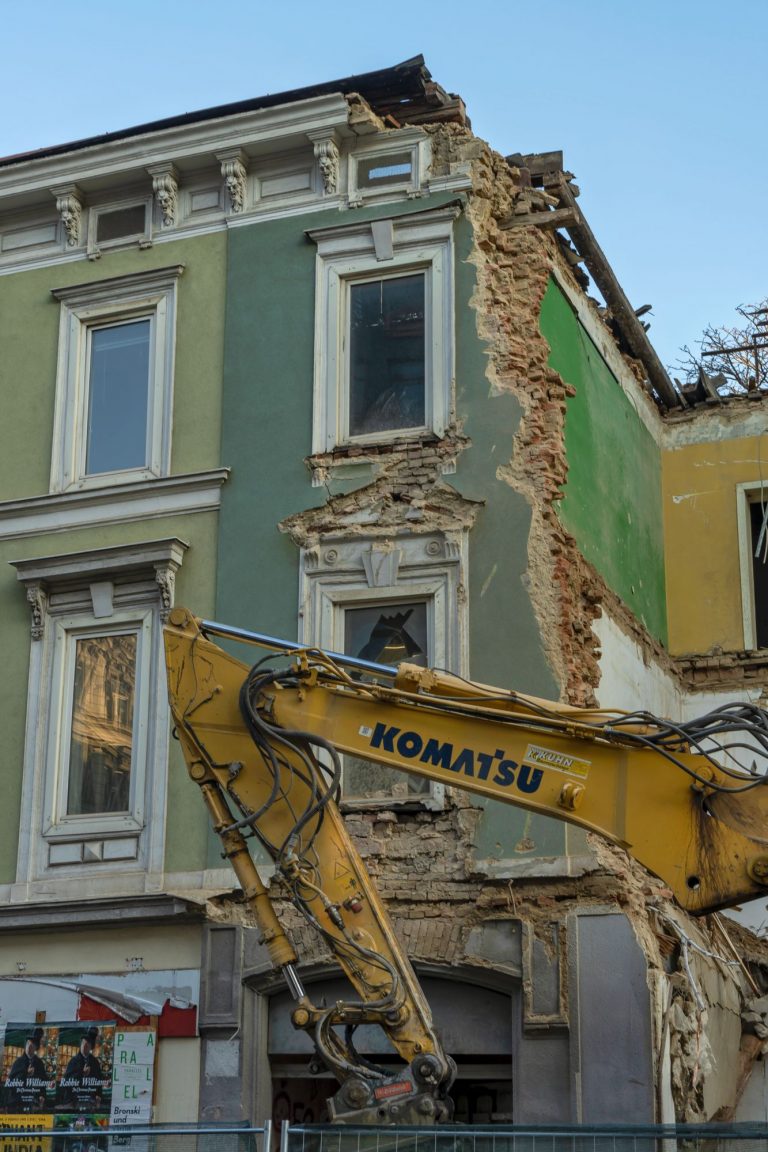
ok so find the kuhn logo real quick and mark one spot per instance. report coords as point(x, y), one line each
point(492, 766)
point(557, 760)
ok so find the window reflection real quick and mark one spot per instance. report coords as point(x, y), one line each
point(118, 397)
point(102, 724)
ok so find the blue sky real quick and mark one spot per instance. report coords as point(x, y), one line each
point(658, 106)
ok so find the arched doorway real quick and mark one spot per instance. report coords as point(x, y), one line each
point(475, 1022)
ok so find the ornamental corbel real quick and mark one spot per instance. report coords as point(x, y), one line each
point(234, 172)
point(165, 578)
point(165, 185)
point(37, 598)
point(69, 205)
point(327, 157)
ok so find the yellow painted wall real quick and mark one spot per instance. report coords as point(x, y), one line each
point(177, 1088)
point(703, 570)
point(99, 950)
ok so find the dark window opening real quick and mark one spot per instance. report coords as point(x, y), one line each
point(121, 223)
point(387, 355)
point(757, 512)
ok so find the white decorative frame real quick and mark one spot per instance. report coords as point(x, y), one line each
point(129, 588)
point(746, 494)
point(149, 295)
point(374, 571)
point(411, 142)
point(421, 242)
point(144, 237)
point(59, 828)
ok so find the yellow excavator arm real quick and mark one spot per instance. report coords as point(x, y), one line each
point(263, 744)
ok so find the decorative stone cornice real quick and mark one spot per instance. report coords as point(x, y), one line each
point(327, 157)
point(165, 185)
point(234, 172)
point(162, 558)
point(69, 205)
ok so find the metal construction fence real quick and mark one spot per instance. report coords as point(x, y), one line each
point(512, 1138)
point(340, 1138)
point(154, 1138)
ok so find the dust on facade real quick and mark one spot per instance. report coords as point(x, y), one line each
point(323, 361)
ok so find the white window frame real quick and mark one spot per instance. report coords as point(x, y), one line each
point(96, 246)
point(399, 246)
point(746, 494)
point(57, 825)
point(371, 572)
point(128, 588)
point(414, 143)
point(84, 308)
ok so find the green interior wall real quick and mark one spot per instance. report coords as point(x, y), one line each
point(612, 501)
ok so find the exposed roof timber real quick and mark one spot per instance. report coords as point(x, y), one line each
point(546, 168)
point(405, 93)
point(623, 313)
point(537, 163)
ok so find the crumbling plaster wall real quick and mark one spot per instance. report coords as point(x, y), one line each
point(506, 450)
point(587, 630)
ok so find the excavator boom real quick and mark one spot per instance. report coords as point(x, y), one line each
point(264, 744)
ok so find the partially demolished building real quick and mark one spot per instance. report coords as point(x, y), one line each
point(326, 363)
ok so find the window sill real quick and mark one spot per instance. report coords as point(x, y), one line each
point(133, 500)
point(424, 803)
point(444, 450)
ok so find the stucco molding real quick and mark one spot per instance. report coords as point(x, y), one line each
point(138, 500)
point(143, 908)
point(261, 212)
point(37, 598)
point(94, 588)
point(263, 130)
point(163, 556)
point(234, 171)
point(328, 159)
point(69, 205)
point(165, 185)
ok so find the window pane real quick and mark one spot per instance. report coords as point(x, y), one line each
point(389, 635)
point(387, 359)
point(118, 397)
point(102, 725)
point(122, 222)
point(395, 169)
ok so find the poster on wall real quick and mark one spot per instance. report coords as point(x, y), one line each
point(32, 1126)
point(80, 1076)
point(59, 1069)
point(84, 1071)
point(133, 1077)
point(29, 1068)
